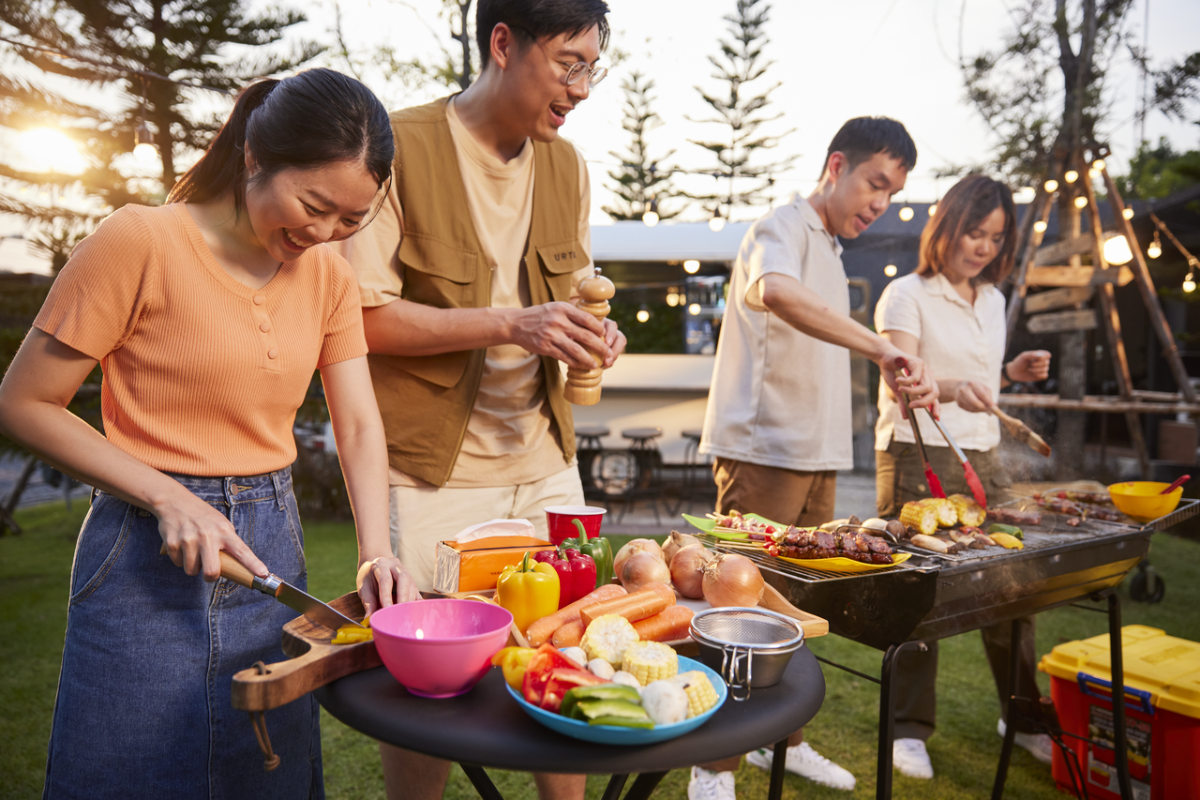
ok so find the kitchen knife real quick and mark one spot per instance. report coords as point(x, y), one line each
point(935, 486)
point(284, 592)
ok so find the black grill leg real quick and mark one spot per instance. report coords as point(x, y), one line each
point(1010, 732)
point(778, 763)
point(887, 720)
point(482, 783)
point(1118, 695)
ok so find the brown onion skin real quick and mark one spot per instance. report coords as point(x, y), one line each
point(676, 542)
point(732, 580)
point(636, 546)
point(642, 568)
point(687, 570)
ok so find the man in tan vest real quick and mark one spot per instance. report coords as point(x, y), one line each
point(466, 278)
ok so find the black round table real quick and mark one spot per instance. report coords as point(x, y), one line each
point(486, 728)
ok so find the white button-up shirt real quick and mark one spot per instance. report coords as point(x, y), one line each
point(957, 340)
point(779, 397)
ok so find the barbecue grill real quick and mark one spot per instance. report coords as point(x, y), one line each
point(933, 596)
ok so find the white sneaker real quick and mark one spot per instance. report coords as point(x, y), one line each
point(706, 785)
point(1039, 745)
point(807, 763)
point(911, 758)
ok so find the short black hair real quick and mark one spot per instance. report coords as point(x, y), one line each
point(863, 137)
point(537, 18)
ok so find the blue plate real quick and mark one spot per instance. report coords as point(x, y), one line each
point(611, 734)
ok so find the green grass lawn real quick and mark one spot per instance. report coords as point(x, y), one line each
point(35, 571)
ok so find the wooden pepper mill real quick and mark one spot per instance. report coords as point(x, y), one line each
point(583, 385)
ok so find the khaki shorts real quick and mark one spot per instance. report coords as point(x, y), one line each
point(423, 516)
point(787, 496)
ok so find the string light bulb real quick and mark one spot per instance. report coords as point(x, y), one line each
point(1116, 250)
point(643, 314)
point(1040, 226)
point(1154, 249)
point(1127, 213)
point(1081, 202)
point(933, 209)
point(1189, 285)
point(890, 270)
point(1098, 164)
point(694, 309)
point(691, 266)
point(144, 149)
point(717, 223)
point(906, 214)
point(672, 298)
point(1051, 185)
point(651, 215)
point(1070, 176)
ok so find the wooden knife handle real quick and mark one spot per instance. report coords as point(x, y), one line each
point(234, 570)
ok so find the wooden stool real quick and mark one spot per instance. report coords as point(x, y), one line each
point(643, 450)
point(587, 450)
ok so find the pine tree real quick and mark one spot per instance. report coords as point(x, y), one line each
point(155, 51)
point(742, 112)
point(642, 183)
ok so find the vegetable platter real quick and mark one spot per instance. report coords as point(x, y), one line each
point(610, 734)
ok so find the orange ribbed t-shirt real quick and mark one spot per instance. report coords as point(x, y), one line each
point(202, 374)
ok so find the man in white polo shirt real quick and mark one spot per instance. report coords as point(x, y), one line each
point(778, 417)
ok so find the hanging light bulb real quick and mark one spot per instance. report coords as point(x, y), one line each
point(1051, 185)
point(1116, 250)
point(144, 149)
point(694, 309)
point(651, 215)
point(1154, 249)
point(1081, 202)
point(672, 298)
point(691, 266)
point(1189, 285)
point(1070, 176)
point(890, 270)
point(1040, 226)
point(933, 209)
point(1127, 213)
point(643, 314)
point(906, 213)
point(717, 223)
point(1098, 164)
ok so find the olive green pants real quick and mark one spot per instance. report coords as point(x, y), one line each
point(899, 478)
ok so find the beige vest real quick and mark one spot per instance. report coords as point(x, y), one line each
point(426, 401)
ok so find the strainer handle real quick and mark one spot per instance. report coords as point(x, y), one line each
point(729, 671)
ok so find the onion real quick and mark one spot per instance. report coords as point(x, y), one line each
point(732, 580)
point(642, 568)
point(636, 546)
point(687, 570)
point(676, 542)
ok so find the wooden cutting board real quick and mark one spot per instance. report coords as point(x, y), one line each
point(312, 662)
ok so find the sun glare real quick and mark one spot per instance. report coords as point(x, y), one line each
point(49, 149)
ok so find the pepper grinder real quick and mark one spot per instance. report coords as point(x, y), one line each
point(583, 385)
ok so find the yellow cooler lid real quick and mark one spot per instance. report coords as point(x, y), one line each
point(1165, 666)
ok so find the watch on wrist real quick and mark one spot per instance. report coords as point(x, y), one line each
point(1004, 371)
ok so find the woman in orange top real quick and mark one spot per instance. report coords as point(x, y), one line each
point(208, 317)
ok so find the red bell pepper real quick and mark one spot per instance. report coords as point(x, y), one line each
point(563, 680)
point(576, 573)
point(538, 673)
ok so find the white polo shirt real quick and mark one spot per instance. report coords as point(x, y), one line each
point(779, 397)
point(957, 340)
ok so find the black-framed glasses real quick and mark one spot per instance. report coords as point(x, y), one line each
point(574, 71)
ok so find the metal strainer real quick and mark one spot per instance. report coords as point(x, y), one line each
point(751, 647)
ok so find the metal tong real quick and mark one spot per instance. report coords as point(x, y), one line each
point(935, 486)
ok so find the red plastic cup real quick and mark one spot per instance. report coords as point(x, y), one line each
point(561, 521)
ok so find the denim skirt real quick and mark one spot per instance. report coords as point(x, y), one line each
point(143, 706)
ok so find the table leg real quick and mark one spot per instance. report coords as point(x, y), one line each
point(1118, 695)
point(1010, 732)
point(615, 784)
point(778, 764)
point(887, 718)
point(482, 783)
point(642, 787)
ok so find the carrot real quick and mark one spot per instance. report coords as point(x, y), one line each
point(645, 602)
point(541, 630)
point(568, 635)
point(667, 626)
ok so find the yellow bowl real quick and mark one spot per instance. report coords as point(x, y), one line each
point(1142, 501)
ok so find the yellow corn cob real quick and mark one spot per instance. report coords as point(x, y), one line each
point(969, 512)
point(700, 692)
point(607, 637)
point(947, 517)
point(920, 516)
point(650, 661)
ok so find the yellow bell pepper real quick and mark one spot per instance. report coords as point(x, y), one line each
point(352, 634)
point(513, 660)
point(529, 590)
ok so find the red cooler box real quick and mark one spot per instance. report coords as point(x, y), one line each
point(1162, 704)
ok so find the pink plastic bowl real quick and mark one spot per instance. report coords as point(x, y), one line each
point(440, 648)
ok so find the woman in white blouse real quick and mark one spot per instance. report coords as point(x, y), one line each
point(950, 313)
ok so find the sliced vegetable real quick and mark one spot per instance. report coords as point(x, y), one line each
point(650, 661)
point(604, 691)
point(514, 661)
point(1011, 530)
point(607, 638)
point(563, 680)
point(537, 674)
point(1007, 540)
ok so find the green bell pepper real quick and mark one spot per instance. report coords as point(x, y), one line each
point(598, 548)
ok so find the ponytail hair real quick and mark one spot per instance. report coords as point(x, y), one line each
point(310, 119)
